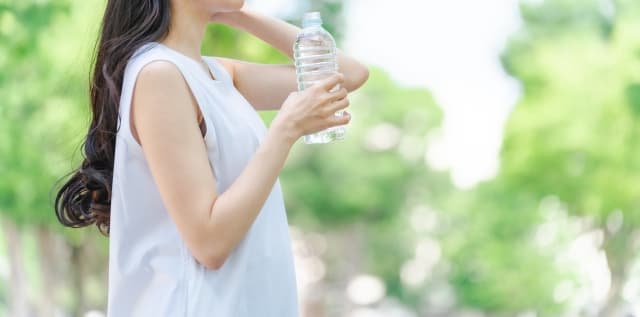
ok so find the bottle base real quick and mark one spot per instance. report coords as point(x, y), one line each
point(318, 138)
point(340, 132)
point(326, 136)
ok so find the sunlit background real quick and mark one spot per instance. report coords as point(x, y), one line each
point(491, 167)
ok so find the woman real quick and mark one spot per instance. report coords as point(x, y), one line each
point(179, 169)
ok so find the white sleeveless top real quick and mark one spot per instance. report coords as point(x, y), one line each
point(151, 271)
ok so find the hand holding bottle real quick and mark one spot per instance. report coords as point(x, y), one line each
point(313, 109)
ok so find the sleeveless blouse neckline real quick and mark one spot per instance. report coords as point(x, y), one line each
point(207, 61)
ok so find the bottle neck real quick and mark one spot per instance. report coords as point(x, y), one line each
point(313, 24)
point(312, 19)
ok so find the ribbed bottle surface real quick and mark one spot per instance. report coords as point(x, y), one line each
point(315, 60)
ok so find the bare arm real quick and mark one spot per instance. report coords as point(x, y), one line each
point(275, 81)
point(165, 121)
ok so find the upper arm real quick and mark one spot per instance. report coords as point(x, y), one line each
point(266, 86)
point(165, 118)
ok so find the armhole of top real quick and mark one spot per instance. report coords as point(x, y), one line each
point(131, 90)
point(220, 69)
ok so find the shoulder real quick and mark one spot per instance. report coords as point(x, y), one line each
point(161, 84)
point(161, 98)
point(152, 57)
point(160, 72)
point(150, 63)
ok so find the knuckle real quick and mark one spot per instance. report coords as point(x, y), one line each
point(341, 104)
point(328, 123)
point(319, 115)
point(324, 113)
point(325, 98)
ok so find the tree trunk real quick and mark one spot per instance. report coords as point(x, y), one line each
point(47, 252)
point(77, 273)
point(344, 253)
point(619, 252)
point(17, 292)
point(614, 299)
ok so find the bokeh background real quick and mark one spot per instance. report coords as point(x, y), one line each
point(492, 166)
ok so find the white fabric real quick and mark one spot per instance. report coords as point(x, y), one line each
point(151, 271)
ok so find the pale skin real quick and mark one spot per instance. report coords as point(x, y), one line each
point(165, 122)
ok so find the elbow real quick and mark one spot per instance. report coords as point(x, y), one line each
point(212, 262)
point(212, 258)
point(357, 78)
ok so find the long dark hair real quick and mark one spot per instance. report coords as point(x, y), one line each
point(85, 198)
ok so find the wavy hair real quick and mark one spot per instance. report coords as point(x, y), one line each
point(85, 198)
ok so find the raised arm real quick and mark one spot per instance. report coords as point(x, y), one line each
point(165, 122)
point(266, 86)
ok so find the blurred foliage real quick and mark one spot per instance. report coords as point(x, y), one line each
point(46, 72)
point(577, 119)
point(495, 265)
point(325, 182)
point(24, 82)
point(572, 136)
point(580, 124)
point(368, 182)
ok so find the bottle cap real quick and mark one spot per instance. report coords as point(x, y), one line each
point(311, 19)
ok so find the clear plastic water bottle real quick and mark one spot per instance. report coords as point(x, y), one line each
point(315, 60)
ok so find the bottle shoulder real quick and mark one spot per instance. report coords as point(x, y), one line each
point(316, 33)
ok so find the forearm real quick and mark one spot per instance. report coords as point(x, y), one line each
point(282, 36)
point(277, 33)
point(236, 209)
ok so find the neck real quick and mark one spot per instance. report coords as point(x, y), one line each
point(186, 32)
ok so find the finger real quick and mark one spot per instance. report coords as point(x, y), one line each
point(337, 105)
point(338, 95)
point(331, 81)
point(331, 97)
point(338, 120)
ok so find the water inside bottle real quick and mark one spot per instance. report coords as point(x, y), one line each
point(315, 60)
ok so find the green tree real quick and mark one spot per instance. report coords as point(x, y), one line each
point(572, 137)
point(495, 265)
point(362, 189)
point(575, 132)
point(45, 49)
